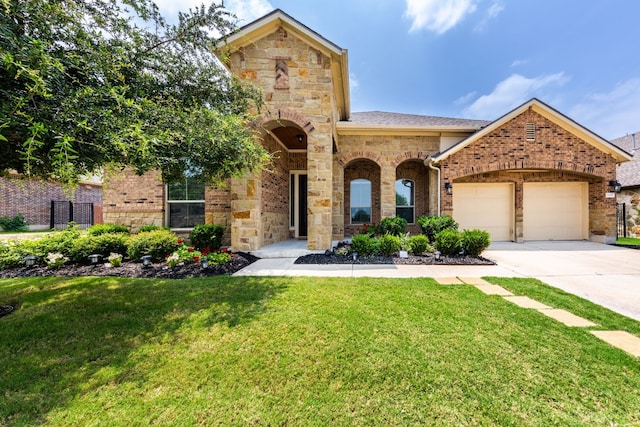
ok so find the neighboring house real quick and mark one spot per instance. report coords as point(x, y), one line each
point(533, 174)
point(32, 198)
point(629, 178)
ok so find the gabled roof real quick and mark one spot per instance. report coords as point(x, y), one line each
point(380, 121)
point(628, 173)
point(549, 113)
point(270, 23)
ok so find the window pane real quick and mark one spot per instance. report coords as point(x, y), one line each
point(185, 215)
point(404, 192)
point(360, 215)
point(177, 191)
point(406, 213)
point(361, 192)
point(192, 188)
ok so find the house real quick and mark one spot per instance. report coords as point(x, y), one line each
point(628, 175)
point(532, 174)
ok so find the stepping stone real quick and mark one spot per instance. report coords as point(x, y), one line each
point(526, 302)
point(620, 339)
point(567, 318)
point(448, 281)
point(494, 290)
point(474, 281)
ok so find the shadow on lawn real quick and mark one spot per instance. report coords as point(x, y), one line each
point(71, 336)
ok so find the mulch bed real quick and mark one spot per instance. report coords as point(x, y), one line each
point(134, 269)
point(411, 260)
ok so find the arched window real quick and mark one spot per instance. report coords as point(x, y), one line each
point(405, 199)
point(360, 201)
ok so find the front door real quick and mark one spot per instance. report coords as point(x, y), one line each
point(298, 200)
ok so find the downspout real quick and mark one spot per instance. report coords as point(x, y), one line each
point(429, 162)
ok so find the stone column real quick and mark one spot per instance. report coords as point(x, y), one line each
point(246, 232)
point(387, 191)
point(320, 188)
point(338, 201)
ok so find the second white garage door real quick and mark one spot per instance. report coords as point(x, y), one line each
point(555, 211)
point(485, 206)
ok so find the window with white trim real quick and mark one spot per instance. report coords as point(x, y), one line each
point(185, 202)
point(360, 201)
point(405, 199)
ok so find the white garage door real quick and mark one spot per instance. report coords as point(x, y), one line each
point(485, 206)
point(555, 211)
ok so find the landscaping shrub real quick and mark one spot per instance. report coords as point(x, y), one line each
point(389, 244)
point(365, 245)
point(58, 241)
point(432, 225)
point(395, 226)
point(98, 229)
point(102, 244)
point(206, 236)
point(151, 227)
point(475, 241)
point(14, 223)
point(369, 229)
point(419, 244)
point(158, 244)
point(448, 241)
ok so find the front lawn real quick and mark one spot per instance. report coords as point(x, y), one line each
point(326, 351)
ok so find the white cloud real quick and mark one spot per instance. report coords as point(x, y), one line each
point(519, 62)
point(510, 93)
point(612, 114)
point(353, 81)
point(245, 10)
point(464, 99)
point(494, 10)
point(438, 16)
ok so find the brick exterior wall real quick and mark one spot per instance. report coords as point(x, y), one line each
point(133, 200)
point(275, 194)
point(32, 198)
point(555, 149)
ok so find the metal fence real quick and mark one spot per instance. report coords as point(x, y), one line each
point(621, 220)
point(63, 212)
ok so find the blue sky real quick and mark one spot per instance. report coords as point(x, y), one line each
point(479, 59)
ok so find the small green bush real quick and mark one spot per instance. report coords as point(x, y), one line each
point(158, 244)
point(14, 223)
point(432, 225)
point(365, 245)
point(151, 227)
point(58, 241)
point(389, 244)
point(475, 241)
point(448, 242)
point(102, 244)
point(98, 229)
point(419, 244)
point(207, 236)
point(395, 226)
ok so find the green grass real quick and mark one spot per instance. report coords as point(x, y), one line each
point(628, 241)
point(300, 351)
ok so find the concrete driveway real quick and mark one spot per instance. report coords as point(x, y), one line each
point(606, 275)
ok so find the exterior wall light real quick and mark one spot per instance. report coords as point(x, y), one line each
point(615, 185)
point(300, 138)
point(448, 188)
point(146, 260)
point(30, 260)
point(95, 258)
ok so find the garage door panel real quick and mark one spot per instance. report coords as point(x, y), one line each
point(555, 211)
point(485, 206)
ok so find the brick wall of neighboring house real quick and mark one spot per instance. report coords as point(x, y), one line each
point(32, 198)
point(554, 148)
point(133, 200)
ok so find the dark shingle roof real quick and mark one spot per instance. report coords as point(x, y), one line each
point(381, 118)
point(628, 173)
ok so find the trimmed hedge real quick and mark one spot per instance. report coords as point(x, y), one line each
point(448, 242)
point(473, 242)
point(207, 236)
point(432, 225)
point(157, 243)
point(395, 226)
point(389, 244)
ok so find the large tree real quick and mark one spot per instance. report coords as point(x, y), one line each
point(86, 83)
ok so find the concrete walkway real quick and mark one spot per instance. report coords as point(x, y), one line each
point(606, 275)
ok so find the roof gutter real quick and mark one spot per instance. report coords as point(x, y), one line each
point(429, 162)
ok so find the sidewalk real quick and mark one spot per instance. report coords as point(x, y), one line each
point(286, 267)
